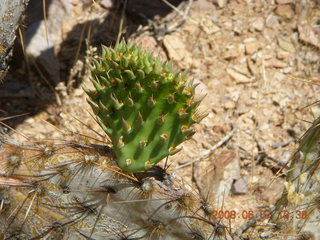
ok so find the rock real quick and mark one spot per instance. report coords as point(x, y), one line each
point(273, 62)
point(258, 24)
point(310, 35)
point(209, 26)
point(201, 88)
point(272, 21)
point(230, 105)
point(213, 28)
point(238, 77)
point(238, 26)
point(225, 168)
point(284, 1)
point(240, 186)
point(43, 51)
point(149, 43)
point(281, 54)
point(251, 45)
point(254, 70)
point(285, 157)
point(272, 193)
point(220, 129)
point(286, 44)
point(265, 235)
point(177, 50)
point(106, 3)
point(204, 5)
point(231, 52)
point(42, 38)
point(285, 11)
point(220, 3)
point(78, 92)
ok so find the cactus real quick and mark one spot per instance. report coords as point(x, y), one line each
point(145, 107)
point(298, 210)
point(72, 190)
point(69, 190)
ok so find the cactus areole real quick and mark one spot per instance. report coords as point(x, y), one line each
point(145, 107)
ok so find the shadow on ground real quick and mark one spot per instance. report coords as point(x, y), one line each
point(29, 88)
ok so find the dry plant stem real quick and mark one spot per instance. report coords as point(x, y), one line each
point(297, 211)
point(243, 228)
point(175, 24)
point(183, 14)
point(282, 144)
point(263, 154)
point(121, 30)
point(208, 152)
point(168, 24)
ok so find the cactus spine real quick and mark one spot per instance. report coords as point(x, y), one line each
point(76, 191)
point(298, 210)
point(145, 107)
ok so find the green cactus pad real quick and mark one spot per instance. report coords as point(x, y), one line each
point(145, 107)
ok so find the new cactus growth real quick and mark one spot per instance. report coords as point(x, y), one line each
point(145, 107)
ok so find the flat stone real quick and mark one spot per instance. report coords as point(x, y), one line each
point(285, 11)
point(106, 3)
point(281, 54)
point(230, 105)
point(310, 35)
point(273, 62)
point(204, 5)
point(272, 21)
point(226, 170)
point(273, 192)
point(177, 50)
point(286, 44)
point(284, 1)
point(231, 52)
point(220, 3)
point(240, 186)
point(238, 77)
point(149, 43)
point(251, 45)
point(40, 41)
point(258, 24)
point(41, 49)
point(254, 70)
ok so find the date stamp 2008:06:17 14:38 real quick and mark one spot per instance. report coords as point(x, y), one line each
point(258, 215)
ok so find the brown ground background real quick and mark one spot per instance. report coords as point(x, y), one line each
point(256, 61)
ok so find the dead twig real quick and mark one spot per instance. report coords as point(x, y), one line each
point(262, 154)
point(282, 144)
point(208, 152)
point(251, 222)
point(167, 24)
point(173, 25)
